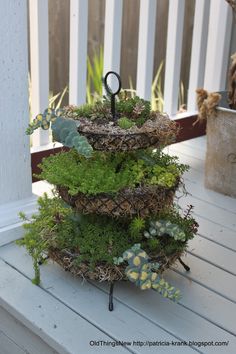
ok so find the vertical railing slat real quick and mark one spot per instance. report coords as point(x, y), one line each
point(198, 54)
point(173, 55)
point(78, 51)
point(112, 37)
point(147, 23)
point(218, 45)
point(15, 166)
point(39, 61)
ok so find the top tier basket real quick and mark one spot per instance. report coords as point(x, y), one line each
point(156, 131)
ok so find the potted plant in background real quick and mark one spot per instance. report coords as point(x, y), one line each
point(219, 110)
point(112, 216)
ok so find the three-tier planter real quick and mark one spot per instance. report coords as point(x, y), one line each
point(113, 215)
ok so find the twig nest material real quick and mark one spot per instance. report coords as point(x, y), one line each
point(105, 272)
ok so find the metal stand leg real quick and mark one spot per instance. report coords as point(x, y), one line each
point(111, 297)
point(40, 262)
point(186, 267)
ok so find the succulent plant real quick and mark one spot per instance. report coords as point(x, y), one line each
point(142, 272)
point(165, 227)
point(125, 123)
point(64, 130)
point(136, 226)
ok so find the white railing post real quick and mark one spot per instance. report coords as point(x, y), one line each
point(198, 54)
point(39, 62)
point(173, 55)
point(218, 45)
point(146, 42)
point(78, 51)
point(112, 38)
point(15, 170)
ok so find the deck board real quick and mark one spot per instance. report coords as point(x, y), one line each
point(213, 253)
point(83, 299)
point(204, 313)
point(53, 321)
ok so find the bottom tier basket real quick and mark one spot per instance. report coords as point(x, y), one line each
point(104, 272)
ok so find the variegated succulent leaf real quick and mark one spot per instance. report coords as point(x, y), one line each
point(64, 130)
point(142, 272)
point(165, 227)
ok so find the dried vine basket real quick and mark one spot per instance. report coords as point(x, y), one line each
point(104, 272)
point(142, 201)
point(156, 131)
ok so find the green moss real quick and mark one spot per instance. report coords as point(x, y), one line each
point(109, 172)
point(101, 239)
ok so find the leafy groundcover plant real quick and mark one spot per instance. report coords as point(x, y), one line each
point(128, 227)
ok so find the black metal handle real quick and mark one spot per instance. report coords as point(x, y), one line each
point(112, 94)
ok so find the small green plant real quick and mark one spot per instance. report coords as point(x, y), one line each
point(136, 227)
point(125, 123)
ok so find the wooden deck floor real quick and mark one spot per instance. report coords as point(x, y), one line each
point(71, 316)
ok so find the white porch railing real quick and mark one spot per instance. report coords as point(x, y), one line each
point(210, 52)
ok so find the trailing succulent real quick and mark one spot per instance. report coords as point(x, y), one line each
point(165, 227)
point(142, 272)
point(64, 130)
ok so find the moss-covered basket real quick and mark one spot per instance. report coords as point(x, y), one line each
point(112, 216)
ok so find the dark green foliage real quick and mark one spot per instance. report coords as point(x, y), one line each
point(100, 240)
point(134, 108)
point(109, 172)
point(153, 244)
